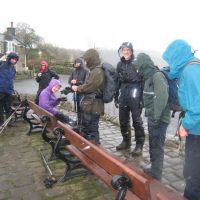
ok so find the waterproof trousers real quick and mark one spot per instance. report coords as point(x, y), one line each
point(156, 147)
point(38, 96)
point(5, 106)
point(131, 106)
point(90, 126)
point(192, 167)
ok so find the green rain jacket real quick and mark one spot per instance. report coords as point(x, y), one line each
point(92, 101)
point(155, 93)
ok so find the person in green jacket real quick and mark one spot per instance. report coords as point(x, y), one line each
point(92, 106)
point(155, 97)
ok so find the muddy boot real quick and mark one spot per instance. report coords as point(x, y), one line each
point(138, 150)
point(126, 142)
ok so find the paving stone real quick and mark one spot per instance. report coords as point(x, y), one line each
point(4, 195)
point(171, 177)
point(179, 185)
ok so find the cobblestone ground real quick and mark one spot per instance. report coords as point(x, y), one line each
point(22, 172)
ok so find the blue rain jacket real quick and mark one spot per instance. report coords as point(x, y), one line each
point(179, 56)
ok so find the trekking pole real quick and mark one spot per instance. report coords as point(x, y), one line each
point(3, 126)
point(76, 106)
point(51, 179)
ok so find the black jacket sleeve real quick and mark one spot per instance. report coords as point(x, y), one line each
point(54, 74)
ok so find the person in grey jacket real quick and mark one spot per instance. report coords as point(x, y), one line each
point(155, 98)
point(78, 77)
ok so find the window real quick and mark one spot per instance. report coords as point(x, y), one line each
point(10, 47)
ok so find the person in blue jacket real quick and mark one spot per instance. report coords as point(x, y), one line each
point(186, 68)
point(7, 74)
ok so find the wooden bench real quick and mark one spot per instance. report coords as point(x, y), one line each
point(33, 120)
point(120, 176)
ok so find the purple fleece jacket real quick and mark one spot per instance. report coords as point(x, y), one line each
point(47, 99)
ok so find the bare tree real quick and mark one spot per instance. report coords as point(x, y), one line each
point(27, 37)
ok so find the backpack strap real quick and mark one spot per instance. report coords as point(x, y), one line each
point(194, 62)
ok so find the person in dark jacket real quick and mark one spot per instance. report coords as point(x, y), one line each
point(44, 77)
point(185, 67)
point(155, 97)
point(7, 74)
point(48, 101)
point(92, 106)
point(78, 77)
point(128, 98)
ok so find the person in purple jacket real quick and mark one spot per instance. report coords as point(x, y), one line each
point(48, 101)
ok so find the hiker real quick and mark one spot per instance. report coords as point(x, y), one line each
point(92, 105)
point(180, 57)
point(155, 98)
point(48, 101)
point(78, 77)
point(7, 74)
point(43, 77)
point(129, 86)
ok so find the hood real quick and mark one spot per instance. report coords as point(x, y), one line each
point(53, 83)
point(78, 60)
point(46, 66)
point(145, 65)
point(177, 55)
point(91, 56)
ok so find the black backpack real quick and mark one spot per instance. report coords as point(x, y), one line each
point(110, 86)
point(173, 88)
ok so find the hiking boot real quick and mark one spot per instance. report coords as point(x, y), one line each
point(149, 172)
point(138, 150)
point(125, 144)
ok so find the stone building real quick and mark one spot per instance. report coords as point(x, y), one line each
point(9, 43)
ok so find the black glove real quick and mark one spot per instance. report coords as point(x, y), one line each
point(62, 99)
point(63, 118)
point(66, 91)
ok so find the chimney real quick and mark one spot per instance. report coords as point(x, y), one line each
point(11, 30)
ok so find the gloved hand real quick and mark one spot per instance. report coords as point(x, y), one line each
point(116, 102)
point(62, 99)
point(63, 118)
point(66, 91)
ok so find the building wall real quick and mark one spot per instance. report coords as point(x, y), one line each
point(9, 43)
